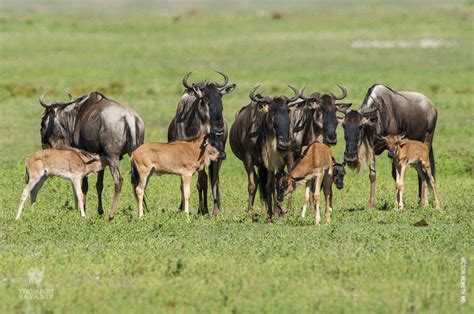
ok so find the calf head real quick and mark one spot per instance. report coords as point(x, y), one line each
point(338, 173)
point(354, 123)
point(209, 100)
point(394, 143)
point(277, 116)
point(285, 185)
point(213, 147)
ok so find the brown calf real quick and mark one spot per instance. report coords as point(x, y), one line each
point(315, 166)
point(406, 152)
point(179, 157)
point(72, 164)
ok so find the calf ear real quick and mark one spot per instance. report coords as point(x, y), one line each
point(343, 107)
point(403, 142)
point(228, 89)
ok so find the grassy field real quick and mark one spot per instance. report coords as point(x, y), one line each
point(364, 261)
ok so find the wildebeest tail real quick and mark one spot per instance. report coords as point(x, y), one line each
point(135, 132)
point(432, 162)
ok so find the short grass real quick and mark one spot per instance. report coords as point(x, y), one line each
point(364, 261)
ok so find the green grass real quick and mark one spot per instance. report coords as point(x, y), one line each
point(363, 262)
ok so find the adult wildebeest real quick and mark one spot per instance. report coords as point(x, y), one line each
point(260, 137)
point(313, 119)
point(199, 112)
point(95, 124)
point(386, 112)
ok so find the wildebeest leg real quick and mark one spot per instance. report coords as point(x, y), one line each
point(306, 198)
point(202, 190)
point(29, 187)
point(118, 179)
point(186, 192)
point(76, 184)
point(424, 178)
point(317, 182)
point(252, 186)
point(269, 191)
point(214, 174)
point(372, 178)
point(35, 191)
point(290, 164)
point(99, 186)
point(85, 189)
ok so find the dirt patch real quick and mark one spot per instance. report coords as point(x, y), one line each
point(421, 223)
point(420, 43)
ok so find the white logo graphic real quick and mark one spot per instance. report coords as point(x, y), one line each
point(35, 276)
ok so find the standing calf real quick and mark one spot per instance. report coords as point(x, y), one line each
point(318, 165)
point(179, 157)
point(72, 164)
point(406, 152)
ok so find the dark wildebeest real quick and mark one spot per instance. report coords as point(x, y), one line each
point(386, 112)
point(95, 124)
point(313, 119)
point(260, 137)
point(199, 113)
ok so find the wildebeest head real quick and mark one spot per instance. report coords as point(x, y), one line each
point(285, 185)
point(276, 115)
point(324, 109)
point(214, 147)
point(209, 97)
point(354, 123)
point(53, 132)
point(394, 142)
point(338, 173)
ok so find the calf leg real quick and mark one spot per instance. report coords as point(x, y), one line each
point(372, 178)
point(317, 188)
point(118, 179)
point(400, 186)
point(202, 190)
point(26, 191)
point(139, 191)
point(85, 189)
point(35, 191)
point(186, 192)
point(77, 188)
point(100, 187)
point(306, 198)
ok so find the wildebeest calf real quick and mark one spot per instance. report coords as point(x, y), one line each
point(70, 163)
point(178, 157)
point(406, 152)
point(319, 165)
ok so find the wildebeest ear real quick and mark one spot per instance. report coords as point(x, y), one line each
point(197, 91)
point(263, 107)
point(228, 89)
point(368, 121)
point(205, 142)
point(343, 107)
point(296, 104)
point(340, 119)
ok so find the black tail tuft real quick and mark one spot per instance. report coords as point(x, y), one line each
point(432, 162)
point(27, 176)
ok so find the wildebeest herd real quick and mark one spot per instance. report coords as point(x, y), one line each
point(270, 135)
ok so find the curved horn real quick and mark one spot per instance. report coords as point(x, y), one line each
point(41, 101)
point(185, 80)
point(226, 80)
point(344, 93)
point(297, 93)
point(252, 93)
point(368, 111)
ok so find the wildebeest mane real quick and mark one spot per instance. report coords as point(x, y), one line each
point(369, 92)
